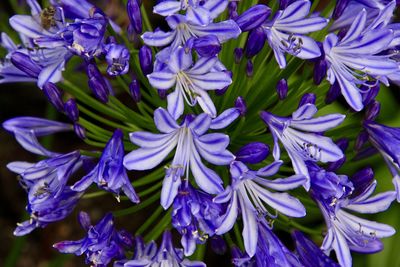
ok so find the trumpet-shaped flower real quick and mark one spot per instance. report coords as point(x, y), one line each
point(191, 142)
point(191, 82)
point(285, 33)
point(249, 193)
point(300, 135)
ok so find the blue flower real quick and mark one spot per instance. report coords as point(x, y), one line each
point(198, 12)
point(248, 193)
point(285, 33)
point(300, 135)
point(346, 231)
point(191, 142)
point(191, 82)
point(102, 244)
point(387, 141)
point(117, 57)
point(183, 30)
point(195, 216)
point(353, 59)
point(110, 174)
point(166, 255)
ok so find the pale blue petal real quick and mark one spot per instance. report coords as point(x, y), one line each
point(162, 80)
point(250, 228)
point(164, 122)
point(306, 111)
point(150, 140)
point(206, 104)
point(169, 190)
point(167, 8)
point(230, 216)
point(378, 203)
point(283, 184)
point(225, 119)
point(200, 124)
point(271, 169)
point(319, 124)
point(158, 38)
point(175, 103)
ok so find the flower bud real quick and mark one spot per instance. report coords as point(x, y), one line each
point(162, 93)
point(79, 131)
point(134, 88)
point(373, 110)
point(53, 94)
point(71, 109)
point(333, 93)
point(369, 93)
point(283, 4)
point(361, 139)
point(207, 46)
point(253, 153)
point(343, 144)
point(146, 60)
point(320, 69)
point(249, 68)
point(308, 98)
point(240, 104)
point(99, 89)
point(339, 8)
point(232, 10)
point(218, 244)
point(24, 63)
point(238, 53)
point(134, 15)
point(282, 89)
point(362, 180)
point(253, 17)
point(255, 42)
point(84, 220)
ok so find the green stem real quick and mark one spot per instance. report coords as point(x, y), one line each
point(149, 221)
point(159, 228)
point(137, 207)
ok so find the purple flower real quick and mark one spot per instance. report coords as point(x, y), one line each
point(27, 129)
point(195, 216)
point(102, 244)
point(183, 30)
point(147, 255)
point(353, 59)
point(285, 32)
point(134, 15)
point(197, 11)
point(253, 17)
point(110, 174)
point(191, 142)
point(191, 81)
point(252, 153)
point(249, 191)
point(117, 57)
point(346, 231)
point(74, 8)
point(387, 141)
point(300, 135)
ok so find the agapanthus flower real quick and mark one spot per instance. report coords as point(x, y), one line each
point(300, 135)
point(285, 33)
point(248, 193)
point(102, 244)
point(387, 140)
point(199, 12)
point(110, 174)
point(183, 30)
point(191, 142)
point(117, 57)
point(195, 216)
point(353, 59)
point(191, 81)
point(346, 231)
point(148, 255)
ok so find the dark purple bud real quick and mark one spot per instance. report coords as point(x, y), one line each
point(369, 93)
point(24, 63)
point(333, 93)
point(334, 166)
point(134, 15)
point(146, 60)
point(320, 69)
point(308, 98)
point(283, 4)
point(111, 40)
point(125, 238)
point(343, 143)
point(79, 131)
point(232, 10)
point(238, 52)
point(240, 104)
point(84, 220)
point(134, 88)
point(207, 46)
point(93, 71)
point(53, 94)
point(71, 109)
point(99, 89)
point(255, 42)
point(162, 94)
point(253, 153)
point(218, 244)
point(361, 139)
point(362, 180)
point(223, 90)
point(253, 17)
point(282, 89)
point(373, 110)
point(249, 68)
point(339, 8)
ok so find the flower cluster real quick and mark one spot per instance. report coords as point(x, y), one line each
point(197, 130)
